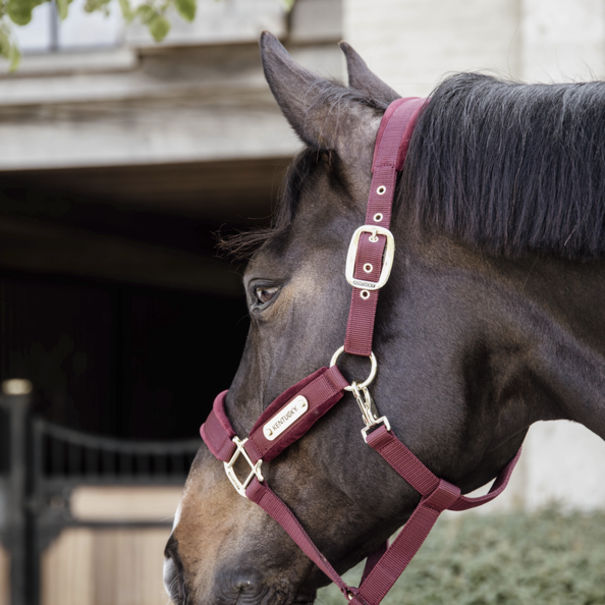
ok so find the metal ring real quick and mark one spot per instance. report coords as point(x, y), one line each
point(368, 380)
point(365, 294)
point(368, 268)
point(381, 190)
point(378, 217)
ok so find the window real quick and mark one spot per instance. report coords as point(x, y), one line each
point(80, 31)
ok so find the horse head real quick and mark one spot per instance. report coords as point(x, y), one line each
point(449, 341)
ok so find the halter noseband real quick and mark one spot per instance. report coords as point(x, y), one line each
point(296, 410)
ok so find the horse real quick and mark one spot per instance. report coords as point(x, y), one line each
point(491, 319)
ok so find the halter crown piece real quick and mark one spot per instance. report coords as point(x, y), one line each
point(294, 412)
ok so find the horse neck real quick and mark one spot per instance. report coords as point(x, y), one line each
point(538, 322)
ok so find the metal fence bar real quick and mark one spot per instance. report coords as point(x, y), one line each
point(46, 459)
point(119, 446)
point(19, 536)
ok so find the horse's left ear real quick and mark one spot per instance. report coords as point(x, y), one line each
point(324, 115)
point(363, 78)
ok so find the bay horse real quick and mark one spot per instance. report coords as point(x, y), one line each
point(492, 318)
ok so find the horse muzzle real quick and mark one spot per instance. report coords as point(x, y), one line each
point(232, 586)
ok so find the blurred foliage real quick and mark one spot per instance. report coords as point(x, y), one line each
point(545, 558)
point(151, 13)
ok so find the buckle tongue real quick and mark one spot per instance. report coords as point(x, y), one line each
point(240, 487)
point(387, 264)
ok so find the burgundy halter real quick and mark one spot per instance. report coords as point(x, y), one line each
point(294, 412)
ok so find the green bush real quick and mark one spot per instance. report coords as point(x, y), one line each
point(545, 558)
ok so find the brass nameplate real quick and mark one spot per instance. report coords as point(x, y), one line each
point(285, 418)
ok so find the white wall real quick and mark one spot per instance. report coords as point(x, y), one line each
point(412, 45)
point(562, 463)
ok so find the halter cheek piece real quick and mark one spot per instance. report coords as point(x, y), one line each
point(294, 412)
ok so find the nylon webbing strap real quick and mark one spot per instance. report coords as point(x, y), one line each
point(266, 498)
point(391, 146)
point(321, 390)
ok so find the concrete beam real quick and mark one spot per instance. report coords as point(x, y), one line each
point(179, 105)
point(227, 191)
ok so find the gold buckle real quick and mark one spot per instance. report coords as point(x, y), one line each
point(387, 263)
point(240, 487)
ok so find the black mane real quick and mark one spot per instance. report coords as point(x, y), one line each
point(511, 168)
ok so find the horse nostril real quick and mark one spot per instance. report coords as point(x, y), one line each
point(244, 584)
point(241, 585)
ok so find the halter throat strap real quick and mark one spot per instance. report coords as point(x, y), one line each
point(296, 410)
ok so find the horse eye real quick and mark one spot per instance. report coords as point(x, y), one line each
point(265, 294)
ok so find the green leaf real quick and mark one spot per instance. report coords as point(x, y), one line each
point(158, 27)
point(126, 10)
point(62, 8)
point(288, 4)
point(146, 13)
point(96, 5)
point(19, 12)
point(5, 44)
point(186, 9)
point(8, 46)
point(14, 58)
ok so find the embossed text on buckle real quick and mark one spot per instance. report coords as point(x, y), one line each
point(387, 264)
point(255, 472)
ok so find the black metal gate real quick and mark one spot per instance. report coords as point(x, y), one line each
point(41, 464)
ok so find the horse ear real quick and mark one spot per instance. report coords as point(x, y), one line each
point(325, 115)
point(362, 78)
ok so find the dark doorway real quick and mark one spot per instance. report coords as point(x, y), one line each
point(117, 359)
point(112, 299)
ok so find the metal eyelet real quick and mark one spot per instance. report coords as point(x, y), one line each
point(364, 294)
point(381, 190)
point(368, 268)
point(378, 217)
